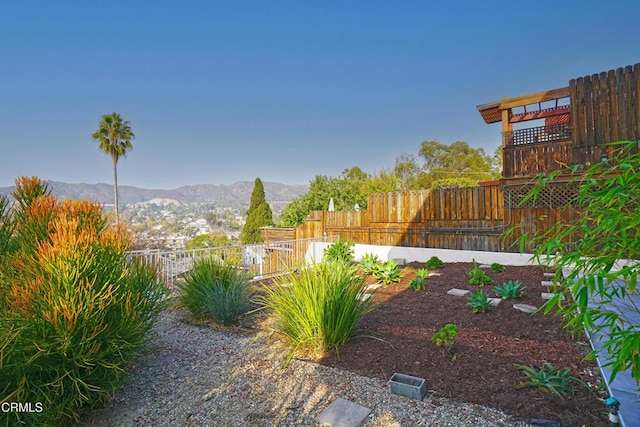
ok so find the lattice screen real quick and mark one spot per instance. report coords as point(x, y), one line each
point(552, 196)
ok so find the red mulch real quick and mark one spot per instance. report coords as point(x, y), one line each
point(487, 348)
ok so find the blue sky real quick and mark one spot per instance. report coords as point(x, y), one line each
point(222, 91)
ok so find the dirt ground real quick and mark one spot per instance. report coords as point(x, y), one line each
point(396, 337)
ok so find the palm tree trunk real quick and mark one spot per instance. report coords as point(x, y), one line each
point(115, 187)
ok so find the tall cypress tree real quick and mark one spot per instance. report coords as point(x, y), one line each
point(258, 215)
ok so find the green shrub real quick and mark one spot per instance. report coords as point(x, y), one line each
point(76, 314)
point(339, 251)
point(434, 263)
point(445, 337)
point(547, 378)
point(510, 290)
point(388, 273)
point(422, 273)
point(370, 263)
point(318, 309)
point(420, 282)
point(479, 302)
point(216, 290)
point(496, 267)
point(478, 277)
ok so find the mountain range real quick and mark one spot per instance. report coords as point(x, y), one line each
point(236, 195)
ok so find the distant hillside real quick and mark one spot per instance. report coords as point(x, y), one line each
point(235, 195)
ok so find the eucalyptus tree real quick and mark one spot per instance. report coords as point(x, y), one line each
point(114, 135)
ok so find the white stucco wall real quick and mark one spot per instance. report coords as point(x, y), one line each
point(447, 255)
point(386, 253)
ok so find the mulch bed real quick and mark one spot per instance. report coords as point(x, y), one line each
point(487, 348)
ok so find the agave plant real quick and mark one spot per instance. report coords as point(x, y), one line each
point(388, 273)
point(339, 251)
point(479, 302)
point(510, 290)
point(370, 263)
point(547, 378)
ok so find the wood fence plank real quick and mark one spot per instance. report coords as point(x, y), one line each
point(630, 104)
point(622, 117)
point(613, 106)
point(636, 72)
point(589, 140)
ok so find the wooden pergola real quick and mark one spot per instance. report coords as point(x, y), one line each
point(528, 107)
point(579, 121)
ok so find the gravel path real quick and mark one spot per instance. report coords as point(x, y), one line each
point(200, 375)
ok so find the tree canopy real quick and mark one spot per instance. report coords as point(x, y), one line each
point(210, 240)
point(435, 166)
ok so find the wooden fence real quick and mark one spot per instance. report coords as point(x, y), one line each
point(605, 107)
point(457, 218)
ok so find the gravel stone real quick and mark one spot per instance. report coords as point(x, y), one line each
point(203, 375)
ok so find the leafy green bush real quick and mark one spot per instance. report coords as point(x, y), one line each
point(496, 267)
point(510, 290)
point(479, 302)
point(370, 263)
point(216, 290)
point(478, 277)
point(547, 378)
point(445, 337)
point(339, 251)
point(76, 314)
point(434, 263)
point(608, 227)
point(388, 273)
point(420, 281)
point(319, 307)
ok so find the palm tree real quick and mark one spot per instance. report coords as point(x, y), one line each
point(115, 137)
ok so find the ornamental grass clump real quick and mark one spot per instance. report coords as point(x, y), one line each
point(318, 307)
point(74, 313)
point(215, 290)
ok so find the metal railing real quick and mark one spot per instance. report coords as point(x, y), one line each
point(258, 260)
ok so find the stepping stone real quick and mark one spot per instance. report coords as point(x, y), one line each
point(343, 413)
point(546, 283)
point(372, 287)
point(364, 297)
point(549, 274)
point(485, 266)
point(525, 308)
point(458, 292)
point(435, 274)
point(549, 295)
point(495, 301)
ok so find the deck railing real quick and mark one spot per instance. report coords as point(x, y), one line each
point(540, 134)
point(542, 149)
